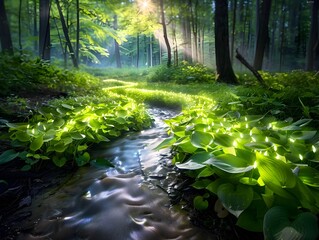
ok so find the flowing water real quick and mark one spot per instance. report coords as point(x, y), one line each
point(122, 203)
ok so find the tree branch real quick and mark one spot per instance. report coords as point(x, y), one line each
point(251, 68)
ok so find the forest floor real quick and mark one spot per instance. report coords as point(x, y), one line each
point(19, 188)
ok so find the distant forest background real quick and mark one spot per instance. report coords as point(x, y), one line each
point(128, 33)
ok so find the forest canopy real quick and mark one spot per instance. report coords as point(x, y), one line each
point(272, 35)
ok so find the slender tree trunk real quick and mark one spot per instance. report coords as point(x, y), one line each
point(225, 71)
point(116, 45)
point(44, 33)
point(233, 31)
point(263, 35)
point(5, 34)
point(77, 44)
point(313, 38)
point(20, 40)
point(137, 50)
point(168, 46)
point(66, 35)
point(282, 34)
point(35, 25)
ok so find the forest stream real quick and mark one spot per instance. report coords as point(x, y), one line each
point(129, 201)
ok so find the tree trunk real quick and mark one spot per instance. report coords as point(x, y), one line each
point(20, 40)
point(313, 38)
point(66, 35)
point(77, 44)
point(5, 34)
point(168, 46)
point(116, 46)
point(35, 25)
point(44, 32)
point(282, 34)
point(262, 35)
point(137, 50)
point(225, 71)
point(233, 30)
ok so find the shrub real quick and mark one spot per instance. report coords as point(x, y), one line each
point(183, 73)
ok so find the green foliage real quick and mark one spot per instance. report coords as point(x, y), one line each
point(24, 77)
point(63, 131)
point(249, 162)
point(183, 73)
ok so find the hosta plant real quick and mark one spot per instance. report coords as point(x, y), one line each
point(250, 163)
point(64, 130)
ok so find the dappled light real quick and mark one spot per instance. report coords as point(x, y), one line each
point(156, 119)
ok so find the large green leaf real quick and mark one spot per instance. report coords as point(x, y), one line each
point(252, 218)
point(230, 163)
point(235, 198)
point(279, 223)
point(275, 171)
point(201, 139)
point(8, 156)
point(195, 162)
point(309, 176)
point(224, 140)
point(168, 142)
point(36, 143)
point(303, 135)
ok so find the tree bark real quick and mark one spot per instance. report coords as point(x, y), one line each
point(251, 68)
point(262, 35)
point(313, 38)
point(77, 44)
point(233, 31)
point(5, 34)
point(66, 35)
point(225, 72)
point(168, 46)
point(44, 32)
point(116, 45)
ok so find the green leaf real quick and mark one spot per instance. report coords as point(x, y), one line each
point(235, 198)
point(258, 145)
point(309, 176)
point(206, 172)
point(58, 122)
point(83, 159)
point(168, 142)
point(200, 203)
point(230, 163)
point(248, 181)
point(186, 145)
point(82, 147)
point(252, 218)
point(22, 136)
point(224, 140)
point(303, 135)
point(60, 147)
point(190, 165)
point(279, 223)
point(8, 156)
point(59, 161)
point(201, 139)
point(95, 124)
point(36, 143)
point(77, 135)
point(67, 106)
point(26, 168)
point(275, 171)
